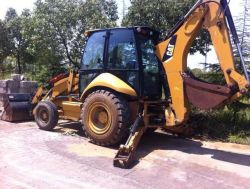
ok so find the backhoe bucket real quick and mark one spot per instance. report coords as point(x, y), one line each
point(17, 107)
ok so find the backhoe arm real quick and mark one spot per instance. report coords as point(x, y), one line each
point(173, 52)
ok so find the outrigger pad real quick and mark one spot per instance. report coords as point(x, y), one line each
point(17, 107)
point(124, 159)
point(205, 95)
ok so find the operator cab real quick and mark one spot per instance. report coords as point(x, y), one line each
point(127, 53)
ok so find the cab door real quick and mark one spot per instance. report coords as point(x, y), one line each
point(152, 88)
point(92, 63)
point(122, 58)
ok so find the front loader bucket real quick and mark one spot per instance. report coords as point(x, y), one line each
point(17, 107)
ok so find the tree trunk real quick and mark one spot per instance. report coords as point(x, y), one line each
point(18, 64)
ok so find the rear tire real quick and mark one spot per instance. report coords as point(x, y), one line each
point(46, 115)
point(105, 118)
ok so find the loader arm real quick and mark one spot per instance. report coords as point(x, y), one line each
point(215, 17)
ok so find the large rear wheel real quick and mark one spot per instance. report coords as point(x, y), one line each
point(105, 118)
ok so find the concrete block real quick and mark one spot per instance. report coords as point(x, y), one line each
point(16, 77)
point(3, 90)
point(13, 86)
point(27, 90)
point(3, 83)
point(28, 86)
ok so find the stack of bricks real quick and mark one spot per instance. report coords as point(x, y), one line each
point(16, 85)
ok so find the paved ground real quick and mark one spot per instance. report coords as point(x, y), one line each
point(31, 158)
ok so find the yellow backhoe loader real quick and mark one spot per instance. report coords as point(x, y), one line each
point(131, 80)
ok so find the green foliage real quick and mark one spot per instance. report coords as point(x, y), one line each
point(47, 65)
point(4, 42)
point(229, 123)
point(162, 15)
point(18, 42)
point(60, 24)
point(211, 76)
point(7, 67)
point(50, 38)
point(242, 22)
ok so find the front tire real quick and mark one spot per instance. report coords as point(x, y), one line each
point(46, 115)
point(105, 118)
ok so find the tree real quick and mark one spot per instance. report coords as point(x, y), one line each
point(4, 42)
point(60, 25)
point(50, 39)
point(162, 15)
point(4, 47)
point(245, 34)
point(11, 14)
point(242, 23)
point(244, 30)
point(18, 43)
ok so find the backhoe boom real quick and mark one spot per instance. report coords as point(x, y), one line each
point(215, 17)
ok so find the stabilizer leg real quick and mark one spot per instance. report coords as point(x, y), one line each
point(125, 155)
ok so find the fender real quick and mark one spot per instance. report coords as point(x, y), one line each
point(108, 80)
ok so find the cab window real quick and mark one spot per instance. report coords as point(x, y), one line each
point(93, 52)
point(122, 50)
point(152, 84)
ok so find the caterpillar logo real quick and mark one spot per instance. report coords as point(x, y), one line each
point(170, 49)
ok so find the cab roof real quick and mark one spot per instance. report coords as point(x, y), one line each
point(90, 32)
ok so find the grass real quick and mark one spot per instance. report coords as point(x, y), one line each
point(229, 124)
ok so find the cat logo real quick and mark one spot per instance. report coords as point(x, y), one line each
point(170, 49)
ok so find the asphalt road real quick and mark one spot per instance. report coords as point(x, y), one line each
point(31, 158)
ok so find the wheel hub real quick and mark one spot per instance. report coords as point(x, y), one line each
point(99, 118)
point(103, 117)
point(44, 116)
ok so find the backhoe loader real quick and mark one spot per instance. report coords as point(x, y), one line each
point(131, 80)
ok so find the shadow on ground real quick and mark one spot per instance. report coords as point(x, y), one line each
point(164, 141)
